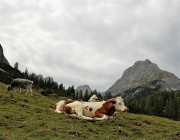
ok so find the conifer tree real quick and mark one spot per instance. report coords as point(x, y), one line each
point(77, 95)
point(60, 87)
point(81, 95)
point(149, 107)
point(86, 96)
point(158, 106)
point(99, 96)
point(16, 65)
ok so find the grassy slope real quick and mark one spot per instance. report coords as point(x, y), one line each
point(26, 117)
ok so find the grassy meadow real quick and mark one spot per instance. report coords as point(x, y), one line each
point(26, 117)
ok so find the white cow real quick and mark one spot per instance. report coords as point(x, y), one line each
point(21, 83)
point(94, 98)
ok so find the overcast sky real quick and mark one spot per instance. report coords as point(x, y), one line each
point(92, 42)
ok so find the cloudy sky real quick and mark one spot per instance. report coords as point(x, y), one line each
point(90, 42)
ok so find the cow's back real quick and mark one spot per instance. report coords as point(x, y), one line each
point(23, 82)
point(89, 108)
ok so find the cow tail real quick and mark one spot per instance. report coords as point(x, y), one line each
point(55, 106)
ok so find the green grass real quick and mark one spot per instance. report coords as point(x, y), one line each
point(26, 117)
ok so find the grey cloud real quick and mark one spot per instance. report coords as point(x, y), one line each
point(87, 41)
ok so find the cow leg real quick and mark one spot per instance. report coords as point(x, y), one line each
point(19, 89)
point(31, 91)
point(26, 90)
point(104, 117)
point(81, 116)
point(100, 116)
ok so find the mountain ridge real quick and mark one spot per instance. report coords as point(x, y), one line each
point(144, 74)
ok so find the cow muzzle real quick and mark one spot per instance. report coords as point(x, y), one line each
point(126, 110)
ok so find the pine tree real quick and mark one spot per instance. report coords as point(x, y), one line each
point(60, 87)
point(55, 86)
point(172, 113)
point(158, 106)
point(86, 96)
point(68, 92)
point(99, 96)
point(26, 73)
point(178, 110)
point(133, 106)
point(72, 92)
point(81, 95)
point(107, 96)
point(141, 104)
point(167, 109)
point(77, 95)
point(149, 105)
point(16, 65)
point(48, 84)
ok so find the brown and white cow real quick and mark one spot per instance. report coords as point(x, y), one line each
point(94, 110)
point(58, 106)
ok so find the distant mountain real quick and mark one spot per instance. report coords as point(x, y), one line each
point(83, 89)
point(2, 57)
point(46, 79)
point(142, 78)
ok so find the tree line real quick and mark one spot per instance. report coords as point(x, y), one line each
point(46, 87)
point(162, 104)
point(50, 87)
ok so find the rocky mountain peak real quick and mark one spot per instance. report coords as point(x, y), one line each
point(144, 74)
point(83, 89)
point(2, 57)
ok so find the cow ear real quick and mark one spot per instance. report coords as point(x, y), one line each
point(113, 102)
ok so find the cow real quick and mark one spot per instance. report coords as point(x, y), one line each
point(21, 83)
point(94, 110)
point(94, 98)
point(58, 106)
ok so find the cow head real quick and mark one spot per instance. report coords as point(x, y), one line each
point(9, 88)
point(119, 104)
point(94, 98)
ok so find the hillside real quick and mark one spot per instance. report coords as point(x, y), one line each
point(142, 78)
point(26, 117)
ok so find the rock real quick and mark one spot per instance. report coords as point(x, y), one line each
point(2, 57)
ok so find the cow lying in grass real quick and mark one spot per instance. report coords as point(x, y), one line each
point(58, 106)
point(94, 110)
point(21, 83)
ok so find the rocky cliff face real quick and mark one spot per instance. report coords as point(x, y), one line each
point(2, 57)
point(144, 77)
point(83, 89)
